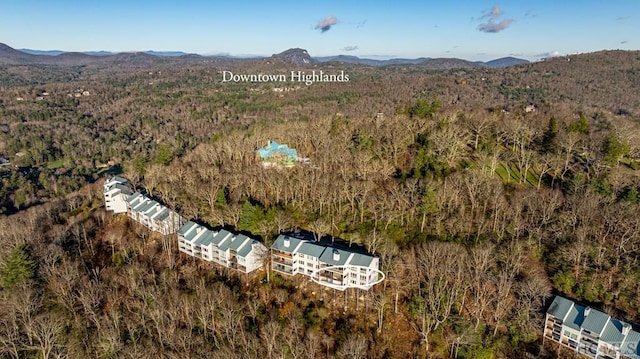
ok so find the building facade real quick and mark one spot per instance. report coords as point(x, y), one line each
point(118, 198)
point(116, 191)
point(235, 251)
point(339, 268)
point(152, 214)
point(590, 332)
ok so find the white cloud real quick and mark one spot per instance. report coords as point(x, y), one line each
point(550, 54)
point(493, 23)
point(325, 24)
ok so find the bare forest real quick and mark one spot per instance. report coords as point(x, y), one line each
point(483, 191)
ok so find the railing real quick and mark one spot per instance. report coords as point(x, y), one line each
point(281, 260)
point(282, 269)
point(282, 254)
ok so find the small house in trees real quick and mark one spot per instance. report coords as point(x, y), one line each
point(116, 191)
point(235, 251)
point(325, 263)
point(590, 332)
point(274, 154)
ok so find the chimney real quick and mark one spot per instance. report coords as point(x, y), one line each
point(587, 310)
point(287, 242)
point(626, 328)
point(336, 255)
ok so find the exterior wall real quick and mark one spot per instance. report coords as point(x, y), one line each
point(306, 264)
point(345, 271)
point(184, 246)
point(570, 337)
point(282, 262)
point(204, 246)
point(115, 201)
point(560, 333)
point(169, 225)
point(553, 328)
point(588, 344)
point(254, 259)
point(115, 193)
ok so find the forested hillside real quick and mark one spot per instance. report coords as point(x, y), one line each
point(483, 191)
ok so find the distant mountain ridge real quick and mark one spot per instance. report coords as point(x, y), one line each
point(296, 56)
point(371, 62)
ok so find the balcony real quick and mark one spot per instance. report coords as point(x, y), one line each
point(284, 261)
point(333, 270)
point(589, 350)
point(607, 353)
point(592, 336)
point(551, 319)
point(282, 254)
point(586, 340)
point(331, 278)
point(282, 269)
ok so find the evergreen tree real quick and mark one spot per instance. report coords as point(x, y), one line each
point(249, 218)
point(164, 156)
point(18, 268)
point(632, 195)
point(580, 126)
point(613, 149)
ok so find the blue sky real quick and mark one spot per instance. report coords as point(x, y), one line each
point(447, 28)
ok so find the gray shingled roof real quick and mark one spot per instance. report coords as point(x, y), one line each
point(205, 239)
point(327, 256)
point(122, 188)
point(361, 260)
point(559, 307)
point(595, 321)
point(163, 214)
point(222, 239)
point(114, 180)
point(574, 317)
point(135, 199)
point(631, 345)
point(238, 241)
point(612, 333)
point(294, 242)
point(247, 247)
point(118, 179)
point(186, 228)
point(311, 249)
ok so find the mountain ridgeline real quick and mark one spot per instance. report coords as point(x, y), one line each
point(296, 56)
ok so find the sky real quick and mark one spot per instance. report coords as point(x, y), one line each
point(472, 30)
